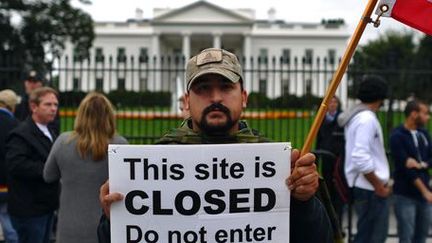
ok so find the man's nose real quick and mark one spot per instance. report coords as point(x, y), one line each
point(216, 95)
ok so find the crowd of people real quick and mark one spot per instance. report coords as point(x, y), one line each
point(355, 137)
point(50, 180)
point(39, 169)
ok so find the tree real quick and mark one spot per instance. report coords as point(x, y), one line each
point(390, 56)
point(43, 28)
point(422, 69)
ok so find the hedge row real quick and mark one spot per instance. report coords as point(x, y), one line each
point(163, 99)
point(259, 100)
point(122, 98)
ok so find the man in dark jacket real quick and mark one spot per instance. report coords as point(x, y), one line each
point(411, 150)
point(215, 99)
point(330, 144)
point(8, 100)
point(23, 111)
point(31, 201)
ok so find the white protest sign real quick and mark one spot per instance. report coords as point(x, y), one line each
point(200, 193)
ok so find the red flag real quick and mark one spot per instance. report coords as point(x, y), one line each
point(415, 13)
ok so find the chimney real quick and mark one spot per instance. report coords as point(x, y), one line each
point(139, 14)
point(271, 14)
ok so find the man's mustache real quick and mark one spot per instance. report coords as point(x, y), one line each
point(216, 107)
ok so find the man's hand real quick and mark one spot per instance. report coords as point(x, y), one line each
point(412, 164)
point(383, 191)
point(303, 181)
point(106, 198)
point(428, 196)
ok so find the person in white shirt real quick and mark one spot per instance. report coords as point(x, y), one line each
point(366, 166)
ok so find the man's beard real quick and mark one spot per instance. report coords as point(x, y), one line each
point(217, 130)
point(419, 123)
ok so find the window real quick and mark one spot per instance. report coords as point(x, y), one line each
point(262, 89)
point(177, 56)
point(143, 55)
point(331, 56)
point(286, 56)
point(121, 85)
point(308, 86)
point(263, 55)
point(121, 54)
point(308, 56)
point(76, 84)
point(285, 86)
point(99, 84)
point(177, 52)
point(143, 84)
point(143, 79)
point(99, 56)
point(76, 55)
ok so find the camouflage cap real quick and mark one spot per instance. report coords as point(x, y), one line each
point(216, 61)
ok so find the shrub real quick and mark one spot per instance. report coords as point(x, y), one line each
point(308, 101)
point(121, 98)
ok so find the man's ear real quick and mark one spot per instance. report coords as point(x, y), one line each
point(244, 98)
point(32, 106)
point(186, 101)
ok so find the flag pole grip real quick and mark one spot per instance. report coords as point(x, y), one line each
point(331, 90)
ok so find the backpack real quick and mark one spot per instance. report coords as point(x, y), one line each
point(340, 181)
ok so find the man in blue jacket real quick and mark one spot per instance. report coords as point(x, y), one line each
point(411, 151)
point(8, 101)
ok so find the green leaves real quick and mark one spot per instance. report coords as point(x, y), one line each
point(44, 28)
point(401, 59)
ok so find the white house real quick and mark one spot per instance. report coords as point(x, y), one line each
point(187, 30)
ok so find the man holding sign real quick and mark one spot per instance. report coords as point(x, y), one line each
point(215, 99)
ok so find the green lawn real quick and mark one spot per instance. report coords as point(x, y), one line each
point(146, 131)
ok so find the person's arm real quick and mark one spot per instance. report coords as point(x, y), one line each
point(418, 183)
point(19, 161)
point(380, 188)
point(365, 133)
point(362, 140)
point(411, 163)
point(402, 160)
point(51, 170)
point(309, 222)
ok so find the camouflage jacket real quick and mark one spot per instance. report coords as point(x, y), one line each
point(185, 135)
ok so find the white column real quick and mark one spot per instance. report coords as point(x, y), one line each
point(186, 46)
point(217, 43)
point(247, 51)
point(155, 84)
point(155, 48)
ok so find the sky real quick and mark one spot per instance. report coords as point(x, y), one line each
point(288, 10)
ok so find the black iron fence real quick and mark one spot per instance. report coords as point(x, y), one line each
point(284, 93)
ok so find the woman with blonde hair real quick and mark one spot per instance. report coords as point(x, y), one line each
point(79, 160)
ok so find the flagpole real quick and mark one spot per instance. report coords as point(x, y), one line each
point(331, 90)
